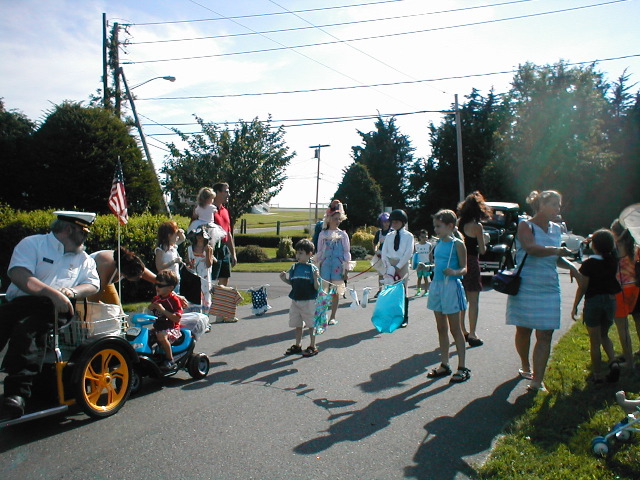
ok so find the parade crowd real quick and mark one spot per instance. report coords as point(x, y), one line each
point(50, 272)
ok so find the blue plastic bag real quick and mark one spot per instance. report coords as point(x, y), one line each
point(389, 311)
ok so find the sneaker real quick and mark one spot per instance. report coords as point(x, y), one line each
point(333, 321)
point(418, 292)
point(168, 365)
point(13, 406)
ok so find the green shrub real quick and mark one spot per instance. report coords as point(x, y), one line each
point(285, 248)
point(264, 241)
point(362, 238)
point(358, 252)
point(138, 235)
point(251, 254)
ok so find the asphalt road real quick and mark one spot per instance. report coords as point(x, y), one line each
point(361, 409)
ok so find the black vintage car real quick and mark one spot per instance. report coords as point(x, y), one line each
point(501, 228)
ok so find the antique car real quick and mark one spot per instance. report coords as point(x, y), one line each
point(501, 228)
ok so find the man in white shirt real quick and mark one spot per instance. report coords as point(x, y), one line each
point(47, 272)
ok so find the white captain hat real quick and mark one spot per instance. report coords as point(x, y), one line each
point(82, 219)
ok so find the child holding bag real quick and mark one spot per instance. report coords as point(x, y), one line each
point(446, 294)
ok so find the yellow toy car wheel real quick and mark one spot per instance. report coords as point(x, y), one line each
point(104, 380)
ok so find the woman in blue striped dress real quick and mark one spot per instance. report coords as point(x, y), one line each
point(537, 304)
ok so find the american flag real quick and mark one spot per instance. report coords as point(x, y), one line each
point(118, 198)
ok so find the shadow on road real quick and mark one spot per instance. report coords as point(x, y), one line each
point(471, 431)
point(397, 373)
point(358, 424)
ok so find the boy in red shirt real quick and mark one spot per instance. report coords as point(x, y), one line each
point(167, 306)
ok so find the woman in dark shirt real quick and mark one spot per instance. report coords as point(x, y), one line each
point(470, 212)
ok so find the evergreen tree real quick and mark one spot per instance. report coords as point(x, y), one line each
point(16, 132)
point(433, 183)
point(619, 186)
point(75, 156)
point(553, 136)
point(387, 154)
point(361, 195)
point(251, 158)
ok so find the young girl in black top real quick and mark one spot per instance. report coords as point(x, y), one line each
point(599, 286)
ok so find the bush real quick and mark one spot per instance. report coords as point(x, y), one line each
point(251, 254)
point(363, 239)
point(358, 252)
point(285, 248)
point(264, 241)
point(139, 236)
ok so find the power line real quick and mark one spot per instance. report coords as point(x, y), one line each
point(340, 24)
point(349, 45)
point(263, 14)
point(305, 121)
point(373, 37)
point(297, 52)
point(386, 84)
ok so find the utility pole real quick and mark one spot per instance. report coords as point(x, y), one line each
point(120, 71)
point(115, 51)
point(316, 154)
point(105, 78)
point(459, 143)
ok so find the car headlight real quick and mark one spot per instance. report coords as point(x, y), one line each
point(132, 332)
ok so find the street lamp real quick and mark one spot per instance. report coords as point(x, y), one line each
point(168, 77)
point(137, 122)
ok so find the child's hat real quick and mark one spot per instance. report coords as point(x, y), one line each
point(198, 231)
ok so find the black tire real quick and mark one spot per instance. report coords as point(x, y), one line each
point(137, 379)
point(103, 379)
point(198, 365)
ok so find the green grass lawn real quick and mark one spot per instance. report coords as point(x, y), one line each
point(284, 216)
point(552, 439)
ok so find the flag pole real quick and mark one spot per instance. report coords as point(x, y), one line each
point(119, 271)
point(119, 274)
point(118, 205)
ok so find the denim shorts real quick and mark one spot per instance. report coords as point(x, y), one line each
point(599, 310)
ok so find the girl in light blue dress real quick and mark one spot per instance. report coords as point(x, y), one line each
point(537, 304)
point(446, 294)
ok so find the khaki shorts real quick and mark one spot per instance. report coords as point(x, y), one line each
point(301, 313)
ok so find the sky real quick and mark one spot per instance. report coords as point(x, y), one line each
point(337, 52)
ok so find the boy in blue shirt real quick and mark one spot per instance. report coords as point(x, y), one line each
point(304, 278)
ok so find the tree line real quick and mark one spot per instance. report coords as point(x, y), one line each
point(558, 127)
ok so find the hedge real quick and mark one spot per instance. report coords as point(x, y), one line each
point(139, 236)
point(242, 240)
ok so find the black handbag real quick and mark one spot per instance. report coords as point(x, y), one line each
point(508, 281)
point(190, 286)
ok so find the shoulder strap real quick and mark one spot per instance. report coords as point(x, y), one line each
point(501, 266)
